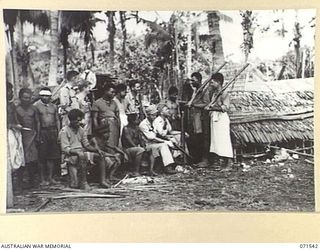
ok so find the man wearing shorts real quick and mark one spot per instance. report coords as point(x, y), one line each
point(49, 152)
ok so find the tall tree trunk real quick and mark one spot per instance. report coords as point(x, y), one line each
point(65, 59)
point(21, 72)
point(124, 33)
point(92, 48)
point(54, 16)
point(13, 55)
point(112, 31)
point(297, 46)
point(189, 45)
point(34, 29)
point(297, 37)
point(247, 24)
point(214, 30)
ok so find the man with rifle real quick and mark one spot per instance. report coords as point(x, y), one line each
point(200, 120)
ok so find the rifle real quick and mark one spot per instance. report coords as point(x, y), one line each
point(225, 87)
point(182, 150)
point(204, 84)
point(175, 145)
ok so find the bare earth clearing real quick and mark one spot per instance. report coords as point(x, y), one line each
point(261, 187)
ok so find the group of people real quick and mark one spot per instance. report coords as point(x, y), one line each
point(121, 128)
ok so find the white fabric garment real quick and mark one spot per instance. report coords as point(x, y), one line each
point(220, 140)
point(122, 114)
point(15, 150)
point(90, 77)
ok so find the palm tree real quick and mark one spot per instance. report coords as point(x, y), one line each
point(76, 21)
point(214, 18)
point(54, 19)
point(10, 19)
point(112, 31)
point(247, 23)
point(124, 33)
point(15, 19)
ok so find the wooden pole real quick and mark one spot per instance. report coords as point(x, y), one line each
point(183, 136)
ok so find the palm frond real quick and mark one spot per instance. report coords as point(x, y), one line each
point(10, 18)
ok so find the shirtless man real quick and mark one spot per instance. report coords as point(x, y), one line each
point(49, 152)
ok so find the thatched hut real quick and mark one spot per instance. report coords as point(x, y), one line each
point(273, 113)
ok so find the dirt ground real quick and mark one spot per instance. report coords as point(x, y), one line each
point(259, 186)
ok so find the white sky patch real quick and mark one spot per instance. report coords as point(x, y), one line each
point(267, 45)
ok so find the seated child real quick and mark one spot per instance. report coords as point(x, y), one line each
point(75, 146)
point(134, 145)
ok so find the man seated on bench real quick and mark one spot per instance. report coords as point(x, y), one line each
point(158, 146)
point(134, 145)
point(114, 155)
point(75, 149)
point(163, 129)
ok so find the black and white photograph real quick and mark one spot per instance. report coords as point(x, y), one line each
point(151, 111)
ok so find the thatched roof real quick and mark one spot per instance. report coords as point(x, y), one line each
point(273, 115)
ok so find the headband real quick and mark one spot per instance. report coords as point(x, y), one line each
point(45, 92)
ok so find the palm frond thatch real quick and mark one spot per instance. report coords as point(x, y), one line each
point(268, 117)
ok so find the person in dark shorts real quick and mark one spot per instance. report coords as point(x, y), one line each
point(76, 151)
point(134, 145)
point(49, 152)
point(113, 156)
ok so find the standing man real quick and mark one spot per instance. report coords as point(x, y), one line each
point(158, 146)
point(220, 140)
point(68, 97)
point(195, 120)
point(29, 119)
point(49, 152)
point(105, 112)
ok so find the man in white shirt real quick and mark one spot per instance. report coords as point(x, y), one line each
point(68, 96)
point(163, 128)
point(89, 76)
point(158, 146)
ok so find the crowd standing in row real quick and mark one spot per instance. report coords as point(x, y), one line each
point(122, 128)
